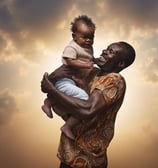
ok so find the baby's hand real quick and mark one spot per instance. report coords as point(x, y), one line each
point(90, 64)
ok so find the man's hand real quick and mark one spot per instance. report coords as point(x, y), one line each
point(46, 85)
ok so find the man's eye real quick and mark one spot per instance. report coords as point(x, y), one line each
point(82, 37)
point(111, 50)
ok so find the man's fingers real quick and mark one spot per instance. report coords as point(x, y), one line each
point(45, 76)
point(43, 82)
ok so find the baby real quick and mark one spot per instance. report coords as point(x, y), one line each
point(78, 55)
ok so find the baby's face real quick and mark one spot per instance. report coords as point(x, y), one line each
point(84, 35)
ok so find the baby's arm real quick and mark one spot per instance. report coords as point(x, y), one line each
point(78, 64)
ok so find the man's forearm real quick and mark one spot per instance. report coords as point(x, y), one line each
point(82, 109)
point(78, 108)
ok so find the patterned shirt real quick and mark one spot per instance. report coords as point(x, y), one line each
point(93, 136)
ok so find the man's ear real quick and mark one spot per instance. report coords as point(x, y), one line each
point(121, 64)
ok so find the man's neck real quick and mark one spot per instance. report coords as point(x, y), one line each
point(101, 73)
point(92, 74)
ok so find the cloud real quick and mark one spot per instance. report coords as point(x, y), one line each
point(138, 13)
point(147, 56)
point(28, 29)
point(151, 135)
point(8, 107)
point(2, 44)
point(25, 25)
point(9, 74)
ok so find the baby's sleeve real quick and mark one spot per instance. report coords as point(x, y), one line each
point(69, 52)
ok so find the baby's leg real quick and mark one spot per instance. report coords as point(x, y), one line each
point(59, 111)
point(67, 127)
point(69, 87)
point(47, 108)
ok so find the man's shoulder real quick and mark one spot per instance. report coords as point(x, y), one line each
point(113, 78)
point(114, 75)
point(109, 78)
point(108, 81)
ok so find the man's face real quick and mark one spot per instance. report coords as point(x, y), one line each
point(84, 35)
point(110, 57)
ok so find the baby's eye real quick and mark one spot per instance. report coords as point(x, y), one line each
point(88, 37)
point(84, 37)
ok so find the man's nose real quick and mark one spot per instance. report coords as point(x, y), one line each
point(104, 51)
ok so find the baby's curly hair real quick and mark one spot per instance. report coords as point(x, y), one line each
point(83, 18)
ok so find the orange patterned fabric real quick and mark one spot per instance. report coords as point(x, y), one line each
point(93, 137)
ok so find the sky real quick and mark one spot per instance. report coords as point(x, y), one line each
point(33, 34)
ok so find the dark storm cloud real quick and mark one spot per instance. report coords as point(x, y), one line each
point(88, 7)
point(38, 12)
point(24, 22)
point(137, 13)
point(141, 13)
point(7, 22)
point(7, 107)
point(31, 13)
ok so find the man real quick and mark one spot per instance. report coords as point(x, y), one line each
point(98, 113)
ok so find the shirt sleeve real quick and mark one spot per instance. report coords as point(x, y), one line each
point(113, 88)
point(69, 52)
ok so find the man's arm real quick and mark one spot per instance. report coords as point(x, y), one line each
point(79, 108)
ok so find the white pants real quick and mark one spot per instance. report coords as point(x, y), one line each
point(69, 87)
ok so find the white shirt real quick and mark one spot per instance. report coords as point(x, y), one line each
point(74, 51)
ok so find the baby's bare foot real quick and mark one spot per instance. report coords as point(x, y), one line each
point(67, 131)
point(47, 110)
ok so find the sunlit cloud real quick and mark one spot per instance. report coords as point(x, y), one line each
point(8, 107)
point(147, 56)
